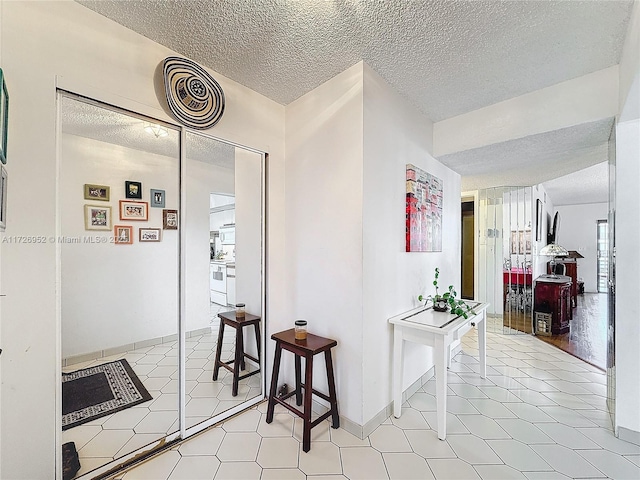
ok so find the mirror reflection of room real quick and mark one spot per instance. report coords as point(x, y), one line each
point(129, 237)
point(119, 279)
point(224, 258)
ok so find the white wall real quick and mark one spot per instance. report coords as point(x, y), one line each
point(627, 328)
point(41, 40)
point(395, 134)
point(629, 98)
point(324, 226)
point(578, 231)
point(113, 295)
point(540, 262)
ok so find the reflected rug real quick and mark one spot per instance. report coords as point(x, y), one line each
point(97, 391)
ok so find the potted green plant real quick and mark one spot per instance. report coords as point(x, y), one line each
point(447, 301)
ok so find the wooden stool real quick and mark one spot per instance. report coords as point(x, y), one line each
point(307, 349)
point(229, 318)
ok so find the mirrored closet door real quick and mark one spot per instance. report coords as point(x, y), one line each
point(147, 264)
point(223, 247)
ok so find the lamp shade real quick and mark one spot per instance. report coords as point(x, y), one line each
point(554, 250)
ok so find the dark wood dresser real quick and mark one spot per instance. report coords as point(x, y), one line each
point(553, 295)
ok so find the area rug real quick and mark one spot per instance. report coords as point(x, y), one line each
point(97, 391)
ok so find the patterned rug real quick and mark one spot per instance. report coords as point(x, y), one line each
point(97, 391)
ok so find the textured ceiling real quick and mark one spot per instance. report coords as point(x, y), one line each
point(533, 159)
point(590, 185)
point(110, 126)
point(447, 57)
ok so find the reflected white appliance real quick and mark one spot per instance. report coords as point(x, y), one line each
point(228, 234)
point(218, 282)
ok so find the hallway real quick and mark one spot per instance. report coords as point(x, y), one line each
point(540, 414)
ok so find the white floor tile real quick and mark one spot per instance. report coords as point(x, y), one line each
point(528, 412)
point(201, 407)
point(483, 427)
point(246, 422)
point(423, 402)
point(498, 472)
point(157, 422)
point(522, 431)
point(238, 471)
point(323, 459)
point(545, 476)
point(159, 467)
point(342, 438)
point(458, 405)
point(205, 443)
point(611, 464)
point(278, 453)
point(239, 447)
point(407, 466)
point(281, 426)
point(362, 463)
point(567, 436)
point(389, 438)
point(499, 394)
point(567, 416)
point(452, 469)
point(426, 444)
point(606, 439)
point(282, 474)
point(472, 449)
point(454, 425)
point(410, 419)
point(518, 455)
point(491, 408)
point(195, 468)
point(106, 444)
point(566, 461)
point(467, 391)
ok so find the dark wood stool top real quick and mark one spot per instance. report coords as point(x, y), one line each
point(312, 345)
point(230, 317)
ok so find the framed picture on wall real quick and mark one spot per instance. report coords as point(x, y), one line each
point(3, 199)
point(515, 244)
point(133, 189)
point(138, 211)
point(96, 192)
point(97, 217)
point(157, 198)
point(149, 234)
point(123, 234)
point(170, 219)
point(4, 117)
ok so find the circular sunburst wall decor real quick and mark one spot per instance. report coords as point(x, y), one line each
point(193, 96)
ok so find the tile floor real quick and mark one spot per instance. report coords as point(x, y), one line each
point(107, 438)
point(539, 414)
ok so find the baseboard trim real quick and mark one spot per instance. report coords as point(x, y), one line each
point(363, 431)
point(629, 435)
point(87, 357)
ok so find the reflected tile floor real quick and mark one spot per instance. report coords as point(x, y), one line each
point(107, 438)
point(540, 414)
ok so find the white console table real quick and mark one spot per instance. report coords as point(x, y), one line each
point(439, 330)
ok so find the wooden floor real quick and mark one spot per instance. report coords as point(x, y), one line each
point(587, 338)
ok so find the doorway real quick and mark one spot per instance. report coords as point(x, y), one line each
point(603, 256)
point(468, 250)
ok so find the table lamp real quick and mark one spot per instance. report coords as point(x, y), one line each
point(553, 250)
